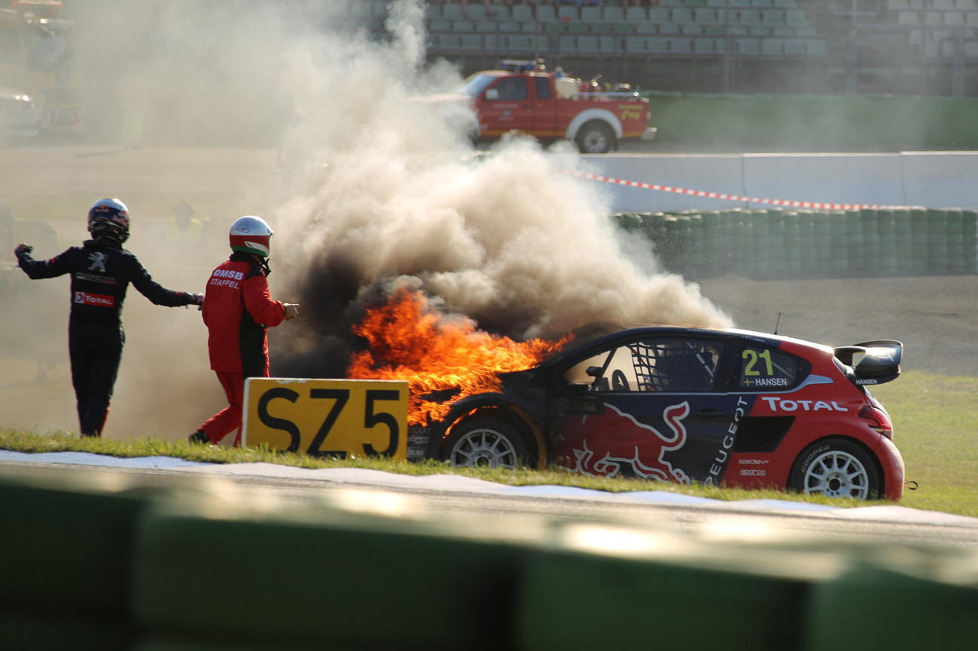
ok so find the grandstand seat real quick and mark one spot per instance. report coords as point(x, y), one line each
point(772, 46)
point(707, 45)
point(943, 5)
point(486, 26)
point(691, 29)
point(568, 12)
point(749, 16)
point(773, 16)
point(748, 46)
point(443, 42)
point(795, 17)
point(476, 12)
point(522, 12)
point(452, 11)
point(587, 45)
point(591, 14)
point(646, 28)
point(500, 11)
point(439, 26)
point(636, 45)
point(471, 42)
point(632, 14)
point(681, 15)
point(705, 16)
point(795, 47)
point(509, 25)
point(519, 44)
point(659, 15)
point(547, 13)
point(670, 29)
point(681, 45)
point(658, 44)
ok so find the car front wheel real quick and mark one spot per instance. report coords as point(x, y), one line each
point(836, 468)
point(485, 442)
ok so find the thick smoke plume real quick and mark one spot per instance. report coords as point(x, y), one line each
point(393, 189)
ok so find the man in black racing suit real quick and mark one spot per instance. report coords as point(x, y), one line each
point(101, 271)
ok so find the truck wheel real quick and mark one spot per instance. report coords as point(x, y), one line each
point(595, 138)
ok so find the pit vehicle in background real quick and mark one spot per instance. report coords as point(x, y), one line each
point(37, 59)
point(726, 407)
point(19, 117)
point(525, 97)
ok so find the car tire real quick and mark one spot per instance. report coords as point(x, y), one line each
point(485, 442)
point(595, 138)
point(836, 468)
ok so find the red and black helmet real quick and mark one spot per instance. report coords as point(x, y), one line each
point(250, 234)
point(109, 218)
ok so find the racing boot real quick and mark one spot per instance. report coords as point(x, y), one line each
point(199, 437)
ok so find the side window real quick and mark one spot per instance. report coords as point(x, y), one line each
point(671, 366)
point(677, 365)
point(511, 89)
point(766, 369)
point(542, 87)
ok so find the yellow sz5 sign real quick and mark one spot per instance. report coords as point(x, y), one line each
point(334, 418)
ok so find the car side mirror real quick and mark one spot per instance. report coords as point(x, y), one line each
point(492, 94)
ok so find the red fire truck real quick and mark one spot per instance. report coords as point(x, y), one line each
point(524, 96)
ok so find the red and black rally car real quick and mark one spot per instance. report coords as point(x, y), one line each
point(727, 407)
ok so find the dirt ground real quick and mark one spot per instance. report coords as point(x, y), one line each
point(935, 316)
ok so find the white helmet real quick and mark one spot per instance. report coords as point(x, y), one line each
point(250, 234)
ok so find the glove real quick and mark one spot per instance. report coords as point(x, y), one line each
point(23, 249)
point(291, 311)
point(195, 299)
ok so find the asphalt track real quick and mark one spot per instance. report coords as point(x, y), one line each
point(450, 495)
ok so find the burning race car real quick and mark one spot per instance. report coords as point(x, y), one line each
point(725, 407)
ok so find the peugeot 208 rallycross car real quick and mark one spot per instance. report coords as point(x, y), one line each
point(726, 407)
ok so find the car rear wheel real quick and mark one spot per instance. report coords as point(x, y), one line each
point(836, 468)
point(485, 442)
point(595, 138)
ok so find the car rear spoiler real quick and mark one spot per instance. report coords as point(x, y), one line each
point(872, 362)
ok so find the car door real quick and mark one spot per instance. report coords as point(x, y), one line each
point(507, 106)
point(652, 407)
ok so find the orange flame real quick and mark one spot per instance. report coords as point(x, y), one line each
point(409, 340)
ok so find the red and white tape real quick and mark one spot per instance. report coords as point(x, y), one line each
point(733, 197)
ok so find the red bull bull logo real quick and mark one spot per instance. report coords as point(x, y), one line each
point(628, 447)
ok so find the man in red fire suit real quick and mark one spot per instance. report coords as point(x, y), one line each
point(238, 309)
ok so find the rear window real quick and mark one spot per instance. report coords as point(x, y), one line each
point(768, 369)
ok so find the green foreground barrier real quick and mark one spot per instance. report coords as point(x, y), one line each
point(65, 563)
point(810, 244)
point(106, 563)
